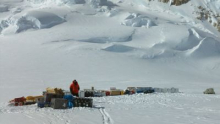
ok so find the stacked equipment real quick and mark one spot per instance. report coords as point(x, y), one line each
point(50, 94)
point(115, 92)
point(148, 90)
point(83, 102)
point(18, 101)
point(24, 101)
point(166, 90)
point(59, 99)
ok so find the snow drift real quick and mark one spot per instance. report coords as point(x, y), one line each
point(43, 19)
point(30, 20)
point(3, 8)
point(118, 48)
point(190, 41)
point(208, 47)
point(57, 2)
point(93, 3)
point(137, 20)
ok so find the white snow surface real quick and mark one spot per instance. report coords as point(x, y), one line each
point(114, 43)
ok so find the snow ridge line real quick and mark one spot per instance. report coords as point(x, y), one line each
point(106, 117)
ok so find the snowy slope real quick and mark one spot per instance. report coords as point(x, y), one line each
point(121, 43)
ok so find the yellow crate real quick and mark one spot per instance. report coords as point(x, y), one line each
point(115, 92)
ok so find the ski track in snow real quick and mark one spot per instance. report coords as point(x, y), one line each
point(106, 117)
point(197, 107)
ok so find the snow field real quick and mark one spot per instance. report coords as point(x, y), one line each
point(141, 108)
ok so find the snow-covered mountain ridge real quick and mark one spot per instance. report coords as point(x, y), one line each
point(208, 10)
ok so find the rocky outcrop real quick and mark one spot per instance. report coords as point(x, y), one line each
point(179, 2)
point(175, 2)
point(164, 1)
point(201, 13)
point(204, 14)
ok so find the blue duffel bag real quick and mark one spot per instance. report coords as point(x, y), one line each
point(70, 104)
point(70, 99)
point(139, 91)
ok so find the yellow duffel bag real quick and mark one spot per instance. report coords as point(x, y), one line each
point(32, 98)
point(55, 90)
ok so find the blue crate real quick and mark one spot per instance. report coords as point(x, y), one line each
point(139, 91)
point(40, 105)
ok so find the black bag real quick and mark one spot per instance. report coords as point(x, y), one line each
point(89, 94)
point(83, 102)
point(148, 90)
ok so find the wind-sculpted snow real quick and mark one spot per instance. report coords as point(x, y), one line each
point(158, 54)
point(113, 12)
point(101, 40)
point(193, 44)
point(61, 2)
point(10, 1)
point(107, 39)
point(3, 8)
point(125, 38)
point(118, 48)
point(137, 20)
point(58, 2)
point(93, 3)
point(189, 42)
point(30, 20)
point(97, 3)
point(16, 10)
point(43, 19)
point(208, 47)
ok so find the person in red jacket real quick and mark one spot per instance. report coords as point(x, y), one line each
point(74, 88)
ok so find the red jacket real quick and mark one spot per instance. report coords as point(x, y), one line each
point(74, 87)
